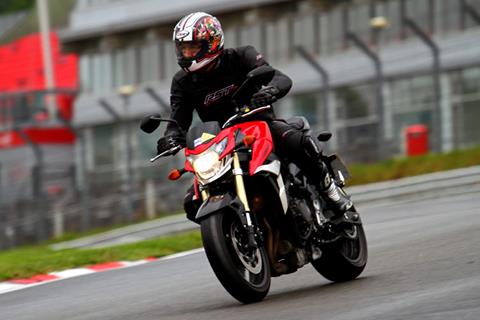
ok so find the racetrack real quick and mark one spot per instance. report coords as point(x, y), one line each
point(424, 263)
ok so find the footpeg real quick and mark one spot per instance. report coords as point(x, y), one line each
point(350, 217)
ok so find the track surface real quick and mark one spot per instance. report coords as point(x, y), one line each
point(424, 264)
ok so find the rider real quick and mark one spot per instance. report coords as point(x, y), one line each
point(209, 76)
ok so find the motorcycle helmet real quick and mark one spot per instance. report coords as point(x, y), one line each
point(198, 41)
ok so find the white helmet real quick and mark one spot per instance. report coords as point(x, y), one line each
point(204, 30)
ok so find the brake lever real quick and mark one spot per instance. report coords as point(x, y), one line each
point(257, 110)
point(243, 114)
point(166, 153)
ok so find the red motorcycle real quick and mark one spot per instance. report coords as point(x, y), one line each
point(260, 217)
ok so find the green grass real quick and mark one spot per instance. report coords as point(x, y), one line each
point(32, 260)
point(406, 167)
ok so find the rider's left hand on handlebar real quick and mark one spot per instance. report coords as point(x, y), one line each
point(265, 96)
point(170, 142)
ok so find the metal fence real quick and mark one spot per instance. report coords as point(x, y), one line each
point(62, 208)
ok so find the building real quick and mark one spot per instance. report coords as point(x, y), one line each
point(125, 42)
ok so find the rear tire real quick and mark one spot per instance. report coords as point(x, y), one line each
point(246, 276)
point(344, 259)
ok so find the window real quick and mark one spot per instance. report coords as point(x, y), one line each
point(412, 94)
point(447, 15)
point(103, 145)
point(359, 17)
point(390, 10)
point(418, 11)
point(272, 50)
point(96, 72)
point(85, 72)
point(282, 44)
point(306, 105)
point(467, 107)
point(400, 93)
point(146, 145)
point(335, 30)
point(119, 68)
point(251, 36)
point(412, 103)
point(131, 66)
point(105, 81)
point(355, 101)
point(470, 80)
point(422, 91)
point(148, 63)
point(324, 36)
point(304, 33)
point(170, 60)
point(229, 35)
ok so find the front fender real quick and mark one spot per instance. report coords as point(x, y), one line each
point(217, 203)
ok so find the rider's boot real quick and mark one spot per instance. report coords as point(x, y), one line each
point(335, 197)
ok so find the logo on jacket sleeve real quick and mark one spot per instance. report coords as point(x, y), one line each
point(217, 95)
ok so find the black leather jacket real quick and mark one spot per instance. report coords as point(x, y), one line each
point(209, 93)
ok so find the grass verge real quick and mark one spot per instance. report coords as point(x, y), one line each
point(406, 167)
point(32, 260)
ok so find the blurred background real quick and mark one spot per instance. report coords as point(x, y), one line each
point(388, 77)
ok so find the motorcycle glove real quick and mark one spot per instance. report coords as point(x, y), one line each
point(265, 96)
point(169, 142)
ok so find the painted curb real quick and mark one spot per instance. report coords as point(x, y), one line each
point(19, 284)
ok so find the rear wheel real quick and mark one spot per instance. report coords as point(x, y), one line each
point(344, 259)
point(243, 272)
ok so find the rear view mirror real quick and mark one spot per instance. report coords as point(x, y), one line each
point(150, 123)
point(261, 74)
point(256, 77)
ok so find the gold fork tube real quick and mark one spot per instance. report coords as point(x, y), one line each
point(205, 195)
point(239, 184)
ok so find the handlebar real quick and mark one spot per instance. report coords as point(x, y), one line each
point(233, 118)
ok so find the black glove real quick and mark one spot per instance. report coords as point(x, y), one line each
point(264, 96)
point(169, 142)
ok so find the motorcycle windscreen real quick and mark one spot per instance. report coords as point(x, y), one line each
point(202, 133)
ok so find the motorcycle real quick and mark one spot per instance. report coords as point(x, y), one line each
point(260, 217)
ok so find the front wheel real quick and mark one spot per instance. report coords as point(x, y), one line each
point(243, 272)
point(346, 258)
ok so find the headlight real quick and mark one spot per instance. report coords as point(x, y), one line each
point(207, 164)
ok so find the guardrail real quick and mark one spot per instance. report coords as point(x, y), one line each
point(432, 184)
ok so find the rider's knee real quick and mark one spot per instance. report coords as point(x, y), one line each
point(312, 146)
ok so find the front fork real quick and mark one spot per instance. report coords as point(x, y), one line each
point(242, 195)
point(245, 217)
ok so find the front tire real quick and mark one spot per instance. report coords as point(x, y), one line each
point(244, 273)
point(346, 258)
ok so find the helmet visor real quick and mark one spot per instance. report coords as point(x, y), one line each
point(191, 50)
